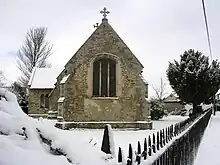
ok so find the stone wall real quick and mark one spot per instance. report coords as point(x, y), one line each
point(101, 125)
point(130, 103)
point(53, 97)
point(34, 100)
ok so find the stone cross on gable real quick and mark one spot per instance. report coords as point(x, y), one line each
point(104, 12)
point(96, 25)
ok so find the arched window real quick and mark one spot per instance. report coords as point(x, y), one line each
point(47, 101)
point(42, 101)
point(104, 78)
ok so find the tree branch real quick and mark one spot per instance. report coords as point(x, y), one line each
point(33, 53)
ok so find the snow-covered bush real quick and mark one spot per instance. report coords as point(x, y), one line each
point(26, 141)
point(157, 110)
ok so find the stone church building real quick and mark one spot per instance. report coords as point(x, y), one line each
point(101, 82)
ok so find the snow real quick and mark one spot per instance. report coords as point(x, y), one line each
point(208, 152)
point(28, 149)
point(167, 121)
point(14, 153)
point(7, 103)
point(64, 79)
point(44, 78)
point(81, 146)
point(124, 137)
point(61, 100)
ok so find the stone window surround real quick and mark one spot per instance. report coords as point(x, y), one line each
point(118, 76)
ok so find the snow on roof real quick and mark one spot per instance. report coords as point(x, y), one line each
point(43, 78)
point(64, 79)
point(173, 97)
point(148, 99)
point(61, 100)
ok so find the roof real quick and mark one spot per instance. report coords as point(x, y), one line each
point(43, 78)
point(173, 97)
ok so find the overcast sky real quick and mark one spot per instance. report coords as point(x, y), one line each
point(156, 31)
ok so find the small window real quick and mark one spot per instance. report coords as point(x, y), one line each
point(42, 101)
point(47, 101)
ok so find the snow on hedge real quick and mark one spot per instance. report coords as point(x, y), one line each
point(26, 141)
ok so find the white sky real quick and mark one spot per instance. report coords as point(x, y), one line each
point(157, 31)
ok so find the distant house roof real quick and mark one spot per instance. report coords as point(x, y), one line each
point(43, 78)
point(173, 97)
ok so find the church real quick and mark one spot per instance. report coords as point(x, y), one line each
point(102, 82)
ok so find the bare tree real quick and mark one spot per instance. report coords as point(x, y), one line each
point(33, 53)
point(161, 90)
point(2, 79)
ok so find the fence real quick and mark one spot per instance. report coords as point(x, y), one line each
point(174, 145)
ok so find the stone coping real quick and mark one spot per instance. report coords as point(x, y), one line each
point(43, 115)
point(38, 115)
point(141, 125)
point(102, 122)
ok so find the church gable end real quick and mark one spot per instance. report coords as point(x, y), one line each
point(105, 81)
point(104, 40)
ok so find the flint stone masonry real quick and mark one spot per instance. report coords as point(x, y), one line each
point(80, 105)
point(96, 125)
point(34, 101)
point(129, 105)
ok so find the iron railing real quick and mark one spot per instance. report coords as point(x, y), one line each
point(175, 145)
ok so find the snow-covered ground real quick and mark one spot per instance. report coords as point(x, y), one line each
point(122, 138)
point(168, 120)
point(20, 146)
point(81, 146)
point(208, 152)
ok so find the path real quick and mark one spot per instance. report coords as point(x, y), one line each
point(208, 152)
